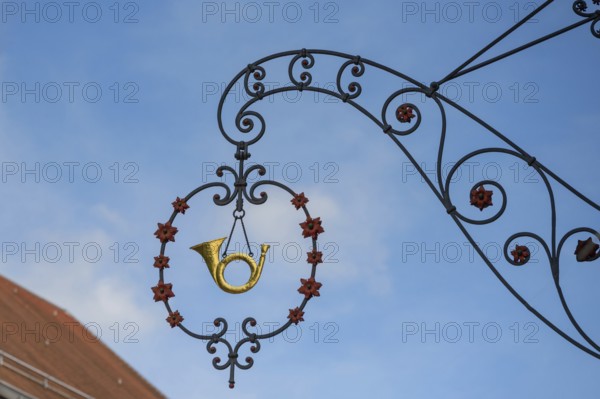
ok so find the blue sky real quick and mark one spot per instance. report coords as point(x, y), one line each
point(115, 118)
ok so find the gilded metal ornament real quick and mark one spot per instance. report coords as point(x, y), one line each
point(210, 252)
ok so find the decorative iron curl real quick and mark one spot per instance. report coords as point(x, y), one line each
point(572, 233)
point(245, 124)
point(581, 8)
point(414, 125)
point(596, 27)
point(258, 88)
point(354, 88)
point(556, 275)
point(308, 61)
point(533, 236)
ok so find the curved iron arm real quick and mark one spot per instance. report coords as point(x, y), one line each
point(252, 123)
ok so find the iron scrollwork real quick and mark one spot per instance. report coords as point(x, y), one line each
point(407, 121)
point(311, 228)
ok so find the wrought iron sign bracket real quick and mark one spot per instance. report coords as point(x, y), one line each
point(405, 121)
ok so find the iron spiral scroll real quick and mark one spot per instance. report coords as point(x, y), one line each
point(251, 125)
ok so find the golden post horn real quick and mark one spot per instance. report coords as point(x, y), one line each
point(210, 251)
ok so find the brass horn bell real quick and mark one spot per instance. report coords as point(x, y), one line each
point(210, 252)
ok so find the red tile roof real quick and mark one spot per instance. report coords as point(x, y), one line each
point(48, 354)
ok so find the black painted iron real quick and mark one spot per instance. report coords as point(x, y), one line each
point(250, 122)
